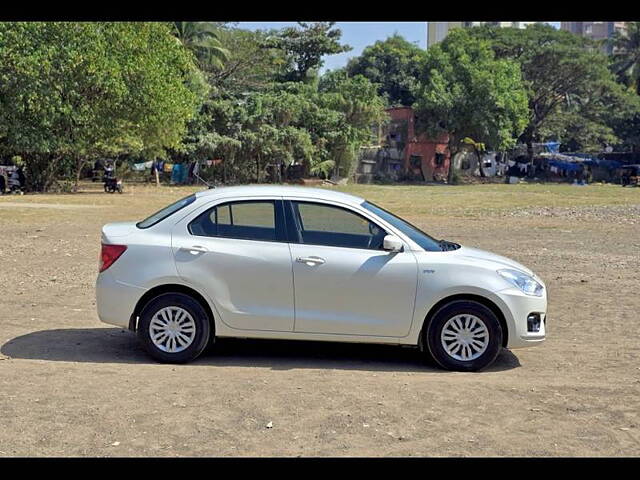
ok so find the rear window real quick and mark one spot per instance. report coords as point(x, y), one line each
point(247, 220)
point(166, 212)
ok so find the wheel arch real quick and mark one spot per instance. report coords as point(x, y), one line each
point(470, 297)
point(169, 288)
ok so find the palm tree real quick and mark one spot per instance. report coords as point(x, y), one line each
point(626, 55)
point(202, 40)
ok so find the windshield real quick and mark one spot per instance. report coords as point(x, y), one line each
point(414, 233)
point(166, 211)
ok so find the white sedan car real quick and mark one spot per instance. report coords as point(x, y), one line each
point(310, 264)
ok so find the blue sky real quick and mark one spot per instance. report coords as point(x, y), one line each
point(361, 34)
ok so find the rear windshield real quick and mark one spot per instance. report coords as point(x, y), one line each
point(166, 212)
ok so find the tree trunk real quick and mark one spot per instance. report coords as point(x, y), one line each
point(480, 164)
point(157, 175)
point(452, 155)
point(79, 163)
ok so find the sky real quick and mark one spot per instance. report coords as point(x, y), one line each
point(361, 34)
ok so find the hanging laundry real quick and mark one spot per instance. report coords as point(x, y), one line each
point(139, 167)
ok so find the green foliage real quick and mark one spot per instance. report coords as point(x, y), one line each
point(467, 92)
point(202, 39)
point(572, 95)
point(70, 91)
point(394, 64)
point(626, 56)
point(305, 46)
point(319, 126)
point(250, 65)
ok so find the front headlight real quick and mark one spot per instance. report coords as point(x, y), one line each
point(524, 282)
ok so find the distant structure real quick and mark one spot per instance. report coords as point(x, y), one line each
point(595, 30)
point(437, 31)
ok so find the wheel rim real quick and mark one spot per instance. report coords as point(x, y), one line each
point(172, 329)
point(465, 337)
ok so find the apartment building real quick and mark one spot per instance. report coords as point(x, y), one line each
point(595, 30)
point(437, 31)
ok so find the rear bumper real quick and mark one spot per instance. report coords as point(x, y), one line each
point(518, 307)
point(115, 300)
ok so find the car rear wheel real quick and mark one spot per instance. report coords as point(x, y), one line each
point(174, 328)
point(464, 336)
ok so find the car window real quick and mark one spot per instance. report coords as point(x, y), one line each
point(414, 233)
point(322, 224)
point(166, 212)
point(249, 220)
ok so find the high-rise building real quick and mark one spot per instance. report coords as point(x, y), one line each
point(437, 31)
point(595, 30)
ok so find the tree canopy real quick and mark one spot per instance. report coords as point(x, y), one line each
point(394, 64)
point(305, 46)
point(572, 95)
point(466, 92)
point(71, 90)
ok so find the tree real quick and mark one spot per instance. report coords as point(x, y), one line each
point(250, 66)
point(359, 108)
point(305, 47)
point(201, 39)
point(70, 92)
point(567, 81)
point(626, 55)
point(466, 92)
point(393, 64)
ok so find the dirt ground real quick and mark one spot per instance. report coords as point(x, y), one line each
point(72, 386)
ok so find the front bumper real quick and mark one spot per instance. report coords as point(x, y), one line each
point(517, 307)
point(115, 300)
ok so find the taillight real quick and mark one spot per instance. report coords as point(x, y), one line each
point(109, 254)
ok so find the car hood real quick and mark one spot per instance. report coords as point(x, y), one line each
point(475, 254)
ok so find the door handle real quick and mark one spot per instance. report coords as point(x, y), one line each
point(195, 249)
point(311, 261)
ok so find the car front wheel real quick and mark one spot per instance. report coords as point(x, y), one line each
point(464, 336)
point(174, 328)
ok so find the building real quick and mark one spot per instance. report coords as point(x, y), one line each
point(595, 30)
point(403, 154)
point(437, 31)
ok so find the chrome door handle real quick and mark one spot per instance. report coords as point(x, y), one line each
point(311, 261)
point(195, 249)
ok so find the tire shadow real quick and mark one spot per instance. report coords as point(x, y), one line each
point(115, 345)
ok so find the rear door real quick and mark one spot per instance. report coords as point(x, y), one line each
point(345, 283)
point(237, 253)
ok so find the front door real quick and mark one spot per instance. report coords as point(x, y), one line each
point(344, 282)
point(237, 253)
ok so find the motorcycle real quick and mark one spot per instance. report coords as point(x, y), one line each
point(111, 182)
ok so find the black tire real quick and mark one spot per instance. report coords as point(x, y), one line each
point(433, 342)
point(197, 312)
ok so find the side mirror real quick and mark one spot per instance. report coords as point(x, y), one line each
point(392, 243)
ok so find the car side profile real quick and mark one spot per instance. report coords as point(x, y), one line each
point(284, 262)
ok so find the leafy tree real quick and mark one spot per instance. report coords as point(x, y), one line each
point(572, 96)
point(305, 46)
point(72, 91)
point(251, 64)
point(393, 64)
point(466, 92)
point(359, 107)
point(201, 38)
point(626, 55)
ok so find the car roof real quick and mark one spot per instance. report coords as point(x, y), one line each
point(281, 190)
